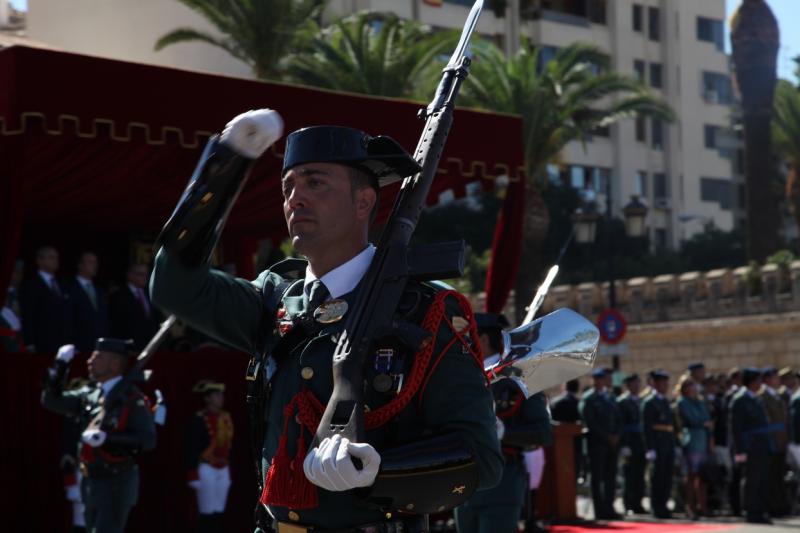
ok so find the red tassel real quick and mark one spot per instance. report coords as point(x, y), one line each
point(303, 493)
point(276, 482)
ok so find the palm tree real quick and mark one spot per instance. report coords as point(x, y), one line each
point(559, 101)
point(786, 137)
point(372, 53)
point(755, 40)
point(257, 32)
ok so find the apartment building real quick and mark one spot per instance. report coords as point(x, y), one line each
point(685, 170)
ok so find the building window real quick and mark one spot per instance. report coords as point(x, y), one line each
point(577, 177)
point(717, 88)
point(654, 23)
point(546, 54)
point(604, 131)
point(657, 134)
point(637, 17)
point(660, 238)
point(641, 129)
point(641, 184)
point(639, 68)
point(656, 75)
point(600, 178)
point(710, 136)
point(660, 191)
point(554, 174)
point(711, 31)
point(597, 11)
point(716, 190)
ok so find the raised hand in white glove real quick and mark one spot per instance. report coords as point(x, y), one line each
point(650, 455)
point(195, 484)
point(66, 353)
point(251, 133)
point(94, 437)
point(330, 465)
point(625, 451)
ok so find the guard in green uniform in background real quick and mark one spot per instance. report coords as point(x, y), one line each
point(632, 444)
point(110, 484)
point(751, 445)
point(522, 424)
point(601, 416)
point(429, 410)
point(658, 427)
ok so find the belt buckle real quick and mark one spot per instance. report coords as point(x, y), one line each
point(285, 527)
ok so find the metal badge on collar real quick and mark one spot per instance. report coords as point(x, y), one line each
point(330, 312)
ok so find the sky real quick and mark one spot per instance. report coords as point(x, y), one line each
point(785, 11)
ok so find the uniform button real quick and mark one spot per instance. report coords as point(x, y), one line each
point(293, 516)
point(307, 372)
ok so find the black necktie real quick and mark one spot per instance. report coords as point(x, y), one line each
point(316, 295)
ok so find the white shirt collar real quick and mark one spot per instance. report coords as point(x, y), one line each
point(84, 281)
point(346, 276)
point(47, 277)
point(109, 384)
point(772, 391)
point(12, 319)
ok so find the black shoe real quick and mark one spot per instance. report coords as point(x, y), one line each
point(663, 515)
point(609, 516)
point(637, 510)
point(758, 519)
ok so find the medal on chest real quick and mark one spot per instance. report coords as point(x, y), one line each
point(330, 312)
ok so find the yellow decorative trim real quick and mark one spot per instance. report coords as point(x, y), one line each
point(158, 137)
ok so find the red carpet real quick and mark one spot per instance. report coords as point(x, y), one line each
point(648, 527)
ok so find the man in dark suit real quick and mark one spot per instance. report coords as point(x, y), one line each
point(602, 418)
point(751, 445)
point(44, 302)
point(632, 445)
point(734, 492)
point(658, 428)
point(132, 314)
point(88, 305)
point(564, 409)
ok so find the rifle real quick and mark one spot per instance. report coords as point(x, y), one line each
point(136, 373)
point(372, 315)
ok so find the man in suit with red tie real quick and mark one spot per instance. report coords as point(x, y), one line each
point(44, 302)
point(88, 304)
point(132, 314)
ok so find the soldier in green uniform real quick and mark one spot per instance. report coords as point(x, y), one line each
point(110, 484)
point(778, 418)
point(658, 427)
point(431, 437)
point(601, 416)
point(751, 445)
point(632, 444)
point(523, 424)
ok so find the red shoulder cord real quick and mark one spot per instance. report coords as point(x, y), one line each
point(285, 483)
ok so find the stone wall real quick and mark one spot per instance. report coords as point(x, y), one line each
point(725, 318)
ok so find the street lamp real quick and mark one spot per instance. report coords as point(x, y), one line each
point(585, 222)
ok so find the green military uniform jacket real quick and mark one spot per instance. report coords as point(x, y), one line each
point(657, 415)
point(794, 417)
point(455, 399)
point(749, 424)
point(630, 413)
point(778, 418)
point(600, 415)
point(133, 429)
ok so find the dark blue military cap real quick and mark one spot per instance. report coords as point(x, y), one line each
point(118, 346)
point(750, 374)
point(657, 374)
point(380, 157)
point(599, 373)
point(769, 371)
point(695, 366)
point(491, 320)
point(631, 377)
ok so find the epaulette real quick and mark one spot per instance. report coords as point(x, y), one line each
point(291, 268)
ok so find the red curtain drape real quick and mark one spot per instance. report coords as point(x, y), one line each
point(506, 248)
point(34, 497)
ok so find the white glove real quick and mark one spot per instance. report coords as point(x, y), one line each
point(740, 458)
point(501, 428)
point(195, 484)
point(330, 465)
point(251, 133)
point(94, 437)
point(66, 353)
point(625, 451)
point(650, 455)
